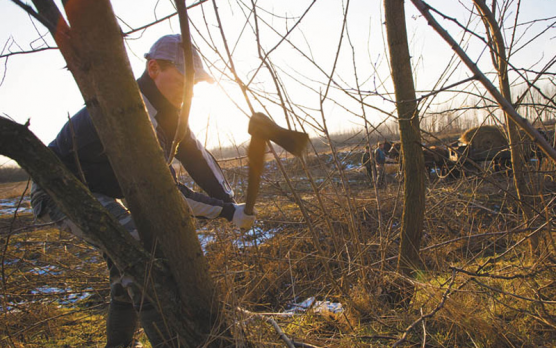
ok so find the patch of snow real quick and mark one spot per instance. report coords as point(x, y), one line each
point(256, 236)
point(316, 306)
point(50, 270)
point(8, 206)
point(205, 239)
point(48, 290)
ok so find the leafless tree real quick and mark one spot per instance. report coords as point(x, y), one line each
point(91, 44)
point(345, 232)
point(410, 135)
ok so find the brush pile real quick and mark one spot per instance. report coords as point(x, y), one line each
point(484, 142)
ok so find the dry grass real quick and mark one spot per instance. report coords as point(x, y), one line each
point(12, 189)
point(345, 252)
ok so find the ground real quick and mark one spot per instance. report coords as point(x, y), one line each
point(334, 241)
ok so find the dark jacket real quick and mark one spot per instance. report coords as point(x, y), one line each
point(366, 160)
point(380, 156)
point(100, 176)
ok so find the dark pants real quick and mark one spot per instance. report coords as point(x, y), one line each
point(369, 172)
point(380, 173)
point(127, 305)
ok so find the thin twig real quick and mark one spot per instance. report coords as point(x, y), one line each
point(274, 324)
point(502, 102)
point(189, 81)
point(4, 252)
point(44, 21)
point(28, 52)
point(432, 313)
point(495, 276)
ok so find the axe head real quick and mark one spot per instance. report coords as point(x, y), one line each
point(261, 126)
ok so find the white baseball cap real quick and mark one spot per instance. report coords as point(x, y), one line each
point(169, 47)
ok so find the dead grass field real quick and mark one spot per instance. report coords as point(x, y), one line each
point(478, 286)
point(12, 189)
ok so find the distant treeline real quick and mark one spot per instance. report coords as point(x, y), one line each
point(349, 138)
point(439, 127)
point(355, 138)
point(442, 127)
point(12, 174)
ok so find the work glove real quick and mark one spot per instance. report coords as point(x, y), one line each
point(241, 219)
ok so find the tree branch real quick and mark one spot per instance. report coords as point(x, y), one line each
point(502, 102)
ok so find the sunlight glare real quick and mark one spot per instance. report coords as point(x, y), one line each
point(215, 120)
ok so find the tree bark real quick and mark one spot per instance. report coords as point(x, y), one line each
point(75, 200)
point(410, 136)
point(500, 61)
point(93, 47)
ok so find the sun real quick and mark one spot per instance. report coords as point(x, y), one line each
point(214, 119)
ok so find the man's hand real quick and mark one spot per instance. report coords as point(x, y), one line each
point(241, 219)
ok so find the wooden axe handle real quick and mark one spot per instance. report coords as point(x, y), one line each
point(255, 153)
point(263, 129)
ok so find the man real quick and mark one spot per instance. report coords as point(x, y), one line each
point(367, 162)
point(380, 158)
point(162, 86)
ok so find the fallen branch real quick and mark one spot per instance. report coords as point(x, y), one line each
point(511, 294)
point(304, 345)
point(268, 318)
point(29, 228)
point(490, 234)
point(495, 276)
point(274, 324)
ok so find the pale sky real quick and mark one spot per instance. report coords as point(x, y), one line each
point(37, 87)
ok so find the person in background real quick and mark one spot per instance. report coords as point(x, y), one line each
point(366, 161)
point(161, 85)
point(380, 159)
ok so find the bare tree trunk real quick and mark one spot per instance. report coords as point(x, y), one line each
point(76, 201)
point(93, 48)
point(413, 162)
point(498, 49)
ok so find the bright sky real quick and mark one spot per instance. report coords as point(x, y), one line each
point(37, 87)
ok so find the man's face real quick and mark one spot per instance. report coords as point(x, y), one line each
point(170, 82)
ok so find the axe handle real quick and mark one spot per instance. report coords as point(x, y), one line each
point(255, 153)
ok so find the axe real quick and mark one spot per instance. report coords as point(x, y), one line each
point(263, 129)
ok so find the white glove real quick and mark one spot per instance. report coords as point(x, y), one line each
point(242, 220)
